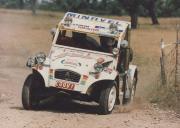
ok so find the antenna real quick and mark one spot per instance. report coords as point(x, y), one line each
point(178, 29)
point(162, 43)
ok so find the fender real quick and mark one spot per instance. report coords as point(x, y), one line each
point(103, 77)
point(132, 72)
point(94, 89)
point(38, 77)
point(43, 73)
point(107, 76)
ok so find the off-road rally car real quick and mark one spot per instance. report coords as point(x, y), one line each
point(89, 60)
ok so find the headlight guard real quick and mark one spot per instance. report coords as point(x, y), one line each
point(31, 62)
point(40, 57)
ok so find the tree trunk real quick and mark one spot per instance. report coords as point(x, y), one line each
point(153, 16)
point(131, 6)
point(33, 6)
point(152, 13)
point(21, 4)
point(134, 20)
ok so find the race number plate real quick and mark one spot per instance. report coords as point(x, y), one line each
point(65, 85)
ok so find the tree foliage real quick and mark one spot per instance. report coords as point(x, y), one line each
point(133, 8)
point(114, 7)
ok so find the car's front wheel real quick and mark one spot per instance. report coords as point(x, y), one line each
point(108, 98)
point(30, 100)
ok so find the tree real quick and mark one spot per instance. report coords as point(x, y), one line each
point(71, 5)
point(168, 8)
point(33, 6)
point(150, 6)
point(21, 4)
point(132, 7)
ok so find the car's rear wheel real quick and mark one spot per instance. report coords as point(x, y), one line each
point(108, 98)
point(129, 92)
point(30, 99)
point(133, 90)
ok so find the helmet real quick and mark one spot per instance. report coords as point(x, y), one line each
point(107, 41)
point(78, 36)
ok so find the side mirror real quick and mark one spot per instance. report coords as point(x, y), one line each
point(53, 31)
point(124, 43)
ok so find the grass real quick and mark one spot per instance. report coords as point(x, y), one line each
point(22, 35)
point(165, 96)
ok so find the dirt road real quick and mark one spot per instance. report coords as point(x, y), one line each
point(22, 35)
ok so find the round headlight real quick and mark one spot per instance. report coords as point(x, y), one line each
point(124, 43)
point(98, 67)
point(41, 57)
point(31, 62)
point(113, 28)
point(67, 21)
point(115, 51)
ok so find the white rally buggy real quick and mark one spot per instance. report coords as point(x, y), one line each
point(89, 60)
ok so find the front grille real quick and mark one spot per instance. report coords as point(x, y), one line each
point(67, 75)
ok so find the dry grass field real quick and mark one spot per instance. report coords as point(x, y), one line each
point(22, 35)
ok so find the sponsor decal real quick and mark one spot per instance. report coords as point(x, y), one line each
point(65, 85)
point(50, 77)
point(100, 27)
point(86, 27)
point(40, 67)
point(92, 18)
point(51, 73)
point(83, 26)
point(70, 62)
point(82, 82)
point(84, 79)
point(108, 70)
point(73, 54)
point(100, 60)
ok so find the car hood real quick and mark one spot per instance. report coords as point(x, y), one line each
point(78, 60)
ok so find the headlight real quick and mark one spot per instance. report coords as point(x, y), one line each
point(115, 51)
point(67, 21)
point(31, 62)
point(40, 57)
point(98, 67)
point(124, 43)
point(113, 28)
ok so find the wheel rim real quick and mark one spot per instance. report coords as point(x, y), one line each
point(112, 98)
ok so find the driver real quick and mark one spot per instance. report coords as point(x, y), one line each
point(78, 37)
point(75, 41)
point(107, 43)
point(85, 42)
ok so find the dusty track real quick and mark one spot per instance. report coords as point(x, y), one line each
point(22, 35)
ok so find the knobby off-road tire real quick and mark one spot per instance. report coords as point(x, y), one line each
point(30, 100)
point(132, 90)
point(107, 98)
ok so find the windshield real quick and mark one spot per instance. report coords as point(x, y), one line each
point(86, 41)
